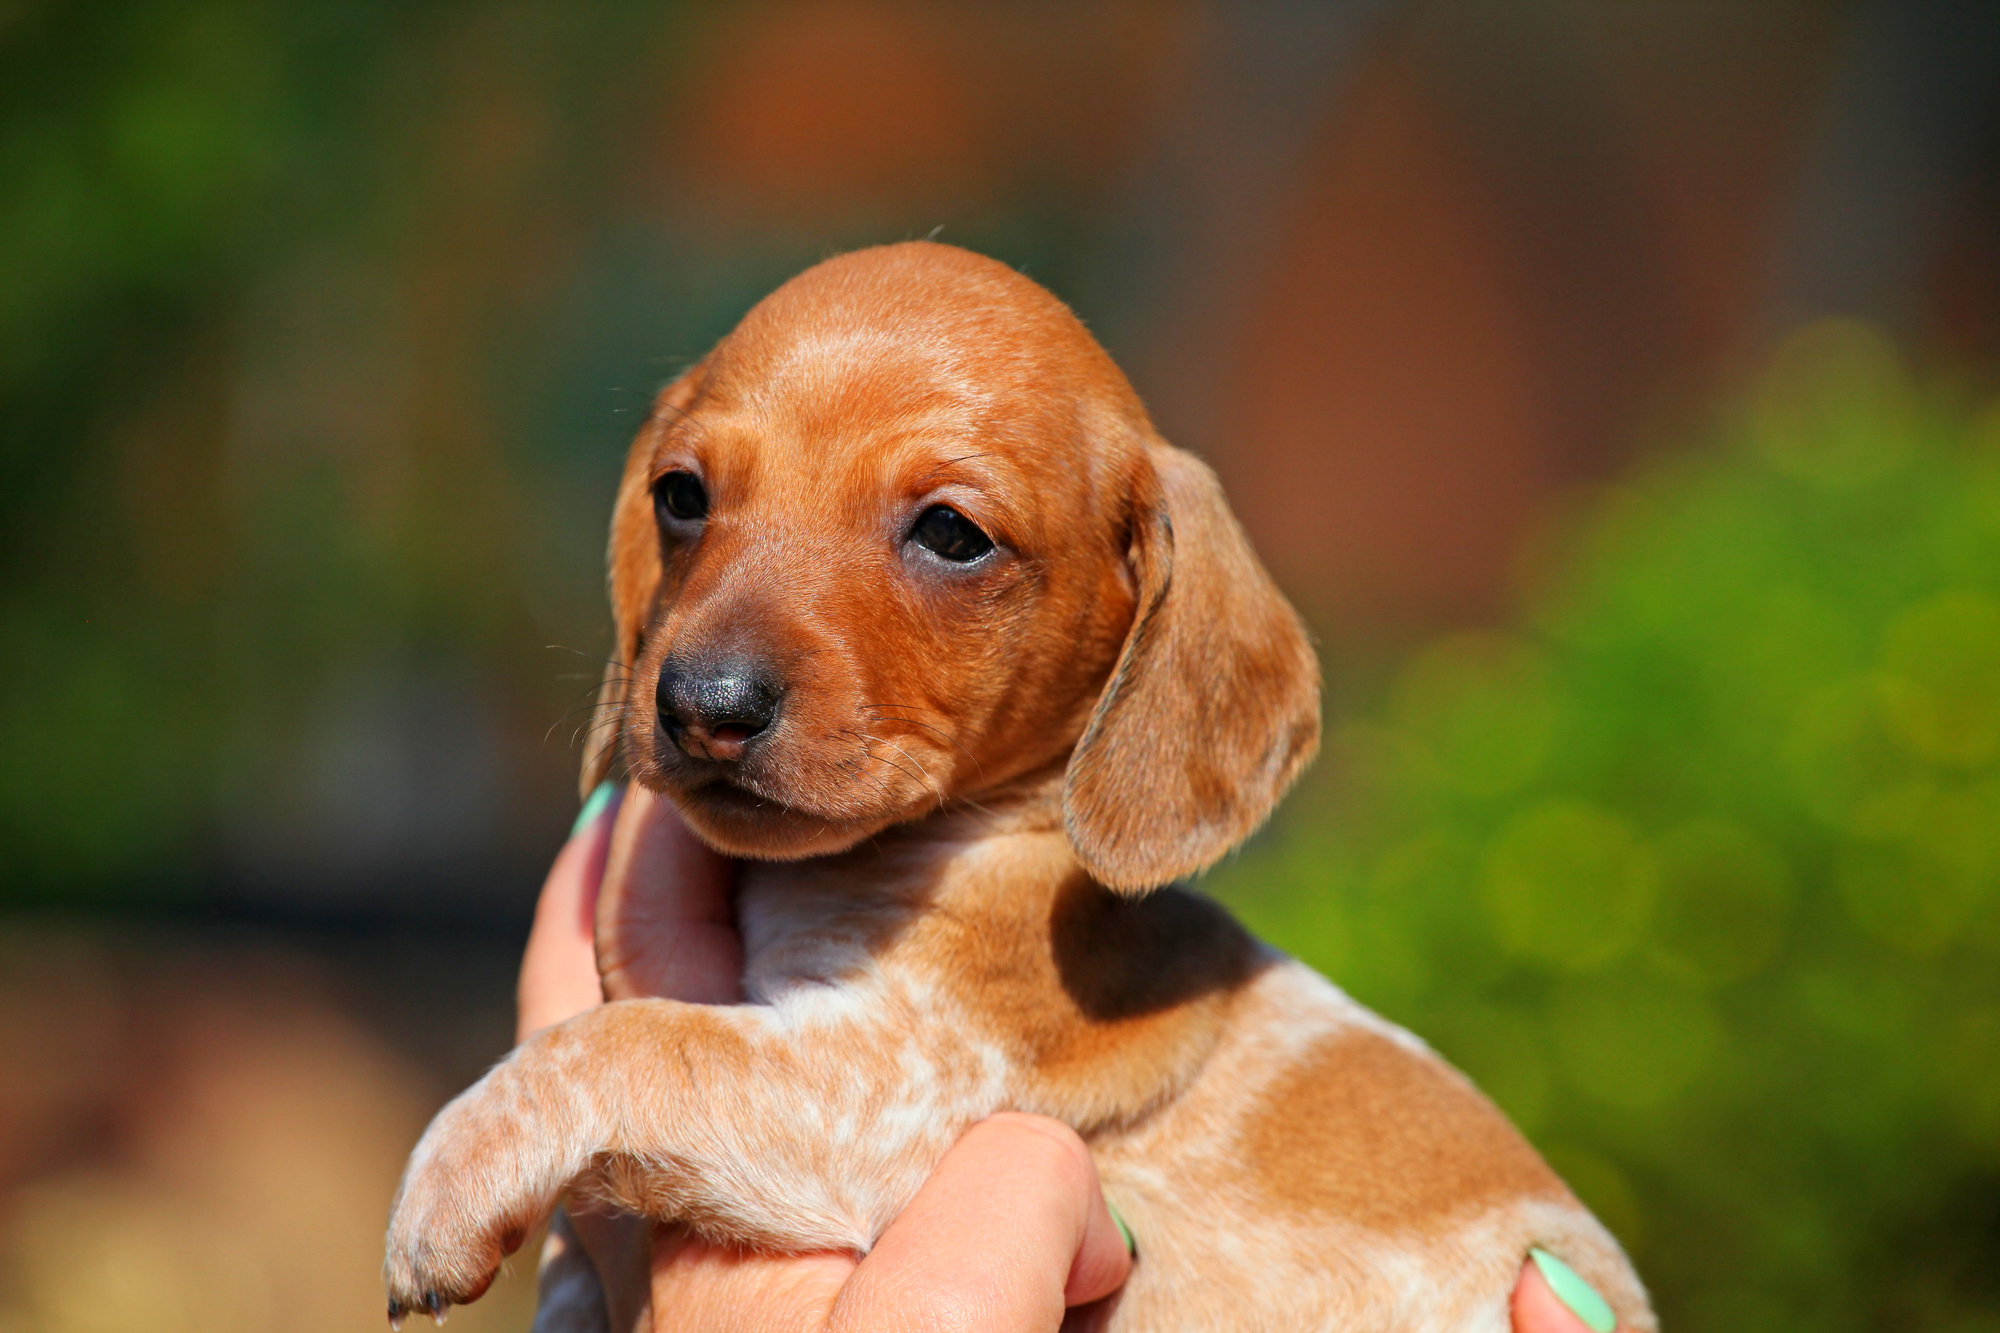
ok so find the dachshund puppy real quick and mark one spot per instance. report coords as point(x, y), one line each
point(927, 623)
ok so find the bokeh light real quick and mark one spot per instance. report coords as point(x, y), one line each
point(1730, 795)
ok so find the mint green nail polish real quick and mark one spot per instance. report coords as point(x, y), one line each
point(593, 807)
point(1131, 1246)
point(1573, 1291)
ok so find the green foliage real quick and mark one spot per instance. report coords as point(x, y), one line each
point(221, 226)
point(1697, 870)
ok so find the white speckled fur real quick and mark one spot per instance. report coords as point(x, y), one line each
point(806, 1121)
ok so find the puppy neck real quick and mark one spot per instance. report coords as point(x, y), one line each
point(829, 919)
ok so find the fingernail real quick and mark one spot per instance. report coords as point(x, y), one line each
point(1131, 1246)
point(1573, 1291)
point(593, 807)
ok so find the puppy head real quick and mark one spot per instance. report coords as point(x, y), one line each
point(907, 536)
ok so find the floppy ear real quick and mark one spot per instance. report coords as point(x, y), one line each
point(634, 578)
point(1213, 707)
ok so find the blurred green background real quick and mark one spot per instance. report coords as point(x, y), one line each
point(1696, 866)
point(1613, 386)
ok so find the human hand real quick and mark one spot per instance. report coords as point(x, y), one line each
point(1008, 1231)
point(666, 929)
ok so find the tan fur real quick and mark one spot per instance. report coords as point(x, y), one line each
point(1213, 708)
point(1401, 1141)
point(978, 778)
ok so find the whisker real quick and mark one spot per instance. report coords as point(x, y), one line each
point(557, 723)
point(565, 648)
point(862, 751)
point(881, 759)
point(906, 754)
point(591, 689)
point(586, 727)
point(884, 717)
point(920, 780)
point(881, 783)
point(929, 782)
point(576, 737)
point(590, 708)
point(685, 417)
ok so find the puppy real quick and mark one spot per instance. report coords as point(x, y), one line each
point(926, 622)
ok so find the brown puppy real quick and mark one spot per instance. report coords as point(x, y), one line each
point(925, 620)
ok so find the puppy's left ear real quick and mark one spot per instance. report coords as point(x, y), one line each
point(1213, 707)
point(634, 578)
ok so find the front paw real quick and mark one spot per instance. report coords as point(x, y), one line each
point(483, 1176)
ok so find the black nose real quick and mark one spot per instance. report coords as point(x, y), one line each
point(713, 709)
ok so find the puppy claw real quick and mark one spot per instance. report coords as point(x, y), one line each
point(396, 1313)
point(468, 1196)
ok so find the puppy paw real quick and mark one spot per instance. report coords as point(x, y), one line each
point(477, 1184)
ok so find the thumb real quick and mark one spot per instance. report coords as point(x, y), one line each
point(666, 925)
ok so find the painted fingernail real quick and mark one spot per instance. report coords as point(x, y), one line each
point(1131, 1246)
point(1573, 1291)
point(593, 807)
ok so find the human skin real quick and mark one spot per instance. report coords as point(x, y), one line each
point(1010, 1229)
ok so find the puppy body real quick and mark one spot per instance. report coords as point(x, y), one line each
point(977, 769)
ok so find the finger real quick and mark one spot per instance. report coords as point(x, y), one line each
point(704, 1288)
point(559, 967)
point(618, 1247)
point(1051, 1243)
point(665, 924)
point(1104, 1260)
point(568, 1294)
point(1536, 1308)
point(1009, 1230)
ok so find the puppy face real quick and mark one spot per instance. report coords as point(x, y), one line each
point(890, 544)
point(886, 582)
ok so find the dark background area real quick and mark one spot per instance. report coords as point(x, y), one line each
point(323, 328)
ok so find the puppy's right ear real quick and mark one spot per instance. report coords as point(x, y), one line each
point(634, 578)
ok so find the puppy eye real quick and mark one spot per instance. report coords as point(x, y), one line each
point(943, 531)
point(679, 495)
